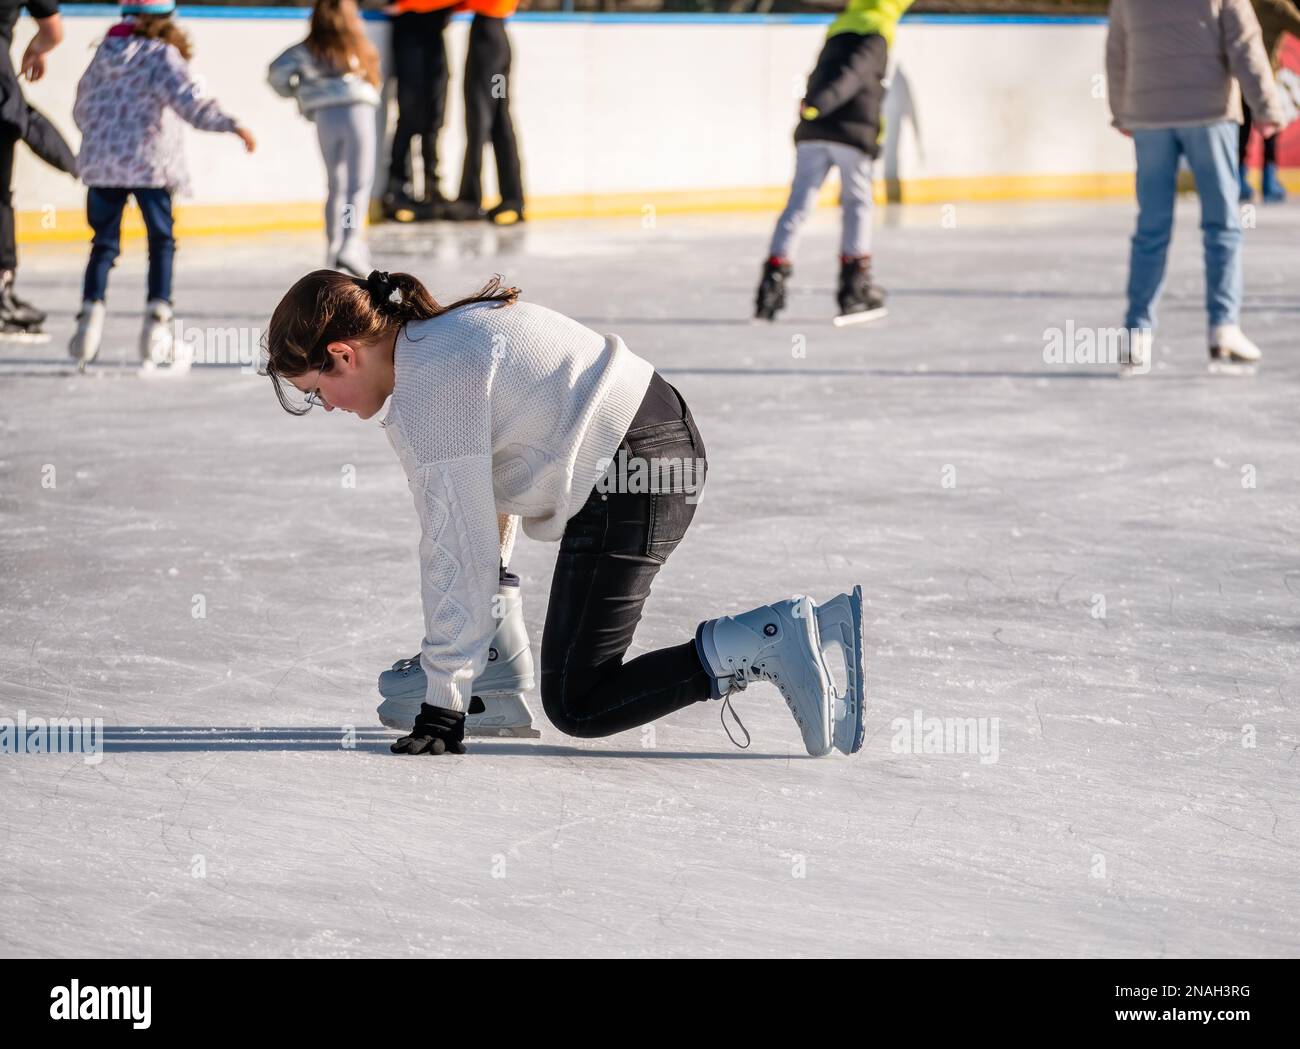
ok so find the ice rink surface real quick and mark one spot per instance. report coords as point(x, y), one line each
point(1110, 569)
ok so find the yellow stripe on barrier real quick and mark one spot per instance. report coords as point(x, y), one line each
point(68, 224)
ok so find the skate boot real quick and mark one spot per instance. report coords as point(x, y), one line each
point(397, 204)
point(1246, 189)
point(859, 299)
point(83, 347)
point(157, 341)
point(497, 706)
point(1231, 353)
point(19, 321)
point(770, 299)
point(785, 643)
point(1138, 358)
point(507, 213)
point(1271, 186)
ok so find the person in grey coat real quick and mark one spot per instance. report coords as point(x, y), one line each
point(334, 75)
point(1173, 71)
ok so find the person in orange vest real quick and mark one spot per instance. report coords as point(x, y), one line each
point(487, 116)
point(420, 62)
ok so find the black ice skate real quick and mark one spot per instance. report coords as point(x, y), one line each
point(399, 206)
point(19, 321)
point(859, 299)
point(771, 289)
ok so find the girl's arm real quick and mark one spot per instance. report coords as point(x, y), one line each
point(284, 72)
point(178, 89)
point(459, 552)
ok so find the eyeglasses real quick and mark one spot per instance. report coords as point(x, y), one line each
point(314, 398)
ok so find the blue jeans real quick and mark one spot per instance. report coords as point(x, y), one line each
point(1211, 153)
point(104, 206)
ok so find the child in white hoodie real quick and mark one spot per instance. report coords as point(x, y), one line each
point(128, 102)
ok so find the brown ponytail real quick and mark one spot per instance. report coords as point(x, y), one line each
point(326, 306)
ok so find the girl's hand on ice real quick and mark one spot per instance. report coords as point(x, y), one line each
point(437, 731)
point(250, 143)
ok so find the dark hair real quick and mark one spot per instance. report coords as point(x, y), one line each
point(326, 306)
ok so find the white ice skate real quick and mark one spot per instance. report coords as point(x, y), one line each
point(1140, 342)
point(785, 643)
point(1231, 353)
point(157, 342)
point(497, 707)
point(83, 347)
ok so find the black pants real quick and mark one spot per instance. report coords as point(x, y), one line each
point(609, 555)
point(1270, 144)
point(487, 113)
point(420, 62)
point(19, 121)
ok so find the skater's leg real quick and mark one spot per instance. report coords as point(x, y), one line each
point(812, 161)
point(609, 556)
point(8, 241)
point(104, 206)
point(1157, 182)
point(408, 65)
point(358, 177)
point(156, 207)
point(1211, 153)
point(332, 129)
point(479, 107)
point(505, 147)
point(855, 200)
point(438, 74)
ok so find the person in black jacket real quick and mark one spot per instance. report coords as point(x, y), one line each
point(840, 126)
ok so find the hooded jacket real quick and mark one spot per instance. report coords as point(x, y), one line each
point(130, 104)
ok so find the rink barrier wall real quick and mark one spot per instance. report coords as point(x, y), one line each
point(1052, 143)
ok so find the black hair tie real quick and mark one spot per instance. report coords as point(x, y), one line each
point(381, 287)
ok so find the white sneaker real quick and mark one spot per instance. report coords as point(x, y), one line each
point(1140, 343)
point(1231, 353)
point(157, 341)
point(83, 347)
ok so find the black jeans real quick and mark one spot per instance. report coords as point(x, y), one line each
point(104, 206)
point(487, 113)
point(420, 63)
point(609, 555)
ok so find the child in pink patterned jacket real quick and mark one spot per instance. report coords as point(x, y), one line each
point(128, 104)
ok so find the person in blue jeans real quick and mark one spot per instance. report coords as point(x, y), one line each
point(1173, 73)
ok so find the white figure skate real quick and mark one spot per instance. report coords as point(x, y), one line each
point(84, 345)
point(497, 707)
point(1231, 353)
point(1140, 343)
point(785, 643)
point(157, 341)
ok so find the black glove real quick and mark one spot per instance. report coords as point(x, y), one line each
point(437, 731)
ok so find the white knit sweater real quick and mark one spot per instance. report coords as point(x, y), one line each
point(498, 410)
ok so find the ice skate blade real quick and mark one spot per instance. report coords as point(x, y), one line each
point(27, 338)
point(845, 319)
point(1240, 369)
point(502, 732)
point(839, 622)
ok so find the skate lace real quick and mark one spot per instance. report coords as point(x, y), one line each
point(741, 676)
point(407, 664)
